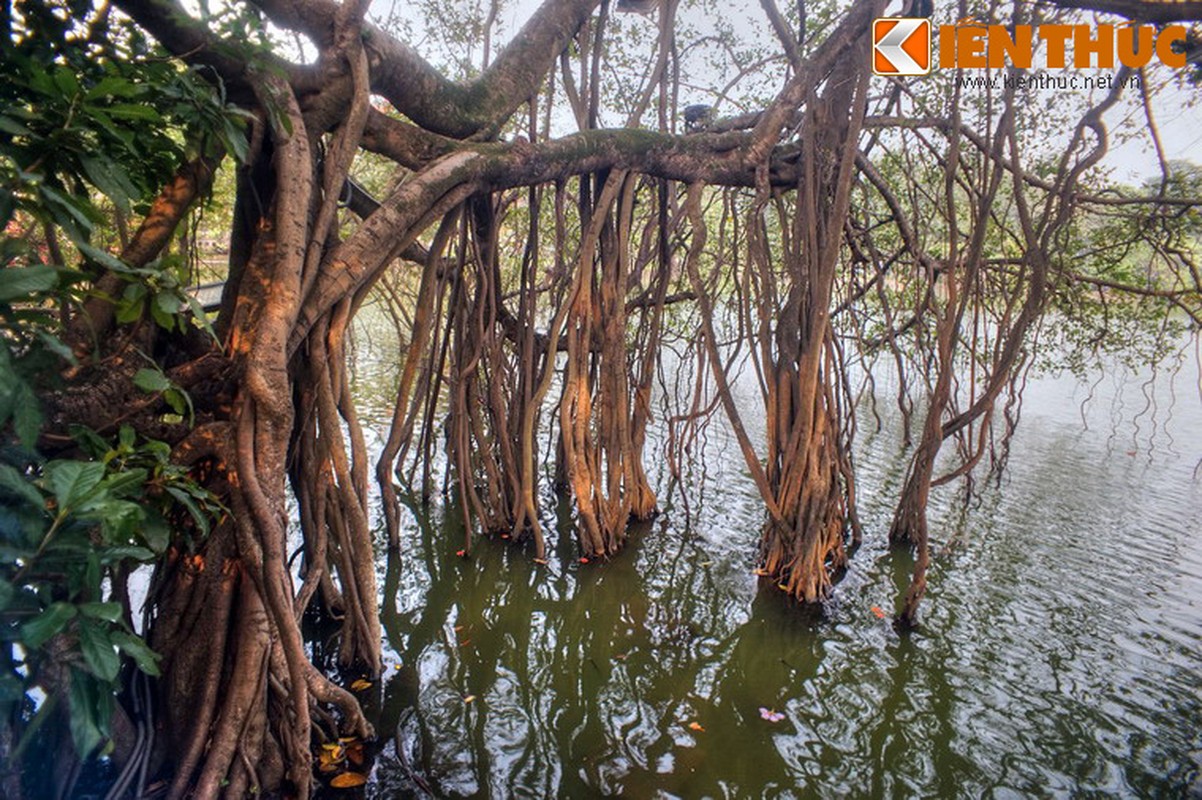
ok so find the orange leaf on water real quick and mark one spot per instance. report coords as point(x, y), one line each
point(877, 610)
point(695, 726)
point(584, 559)
point(360, 685)
point(461, 553)
point(348, 780)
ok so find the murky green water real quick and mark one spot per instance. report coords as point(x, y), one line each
point(1061, 650)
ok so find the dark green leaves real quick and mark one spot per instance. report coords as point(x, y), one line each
point(72, 482)
point(38, 630)
point(16, 283)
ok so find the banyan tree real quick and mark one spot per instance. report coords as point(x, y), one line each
point(550, 223)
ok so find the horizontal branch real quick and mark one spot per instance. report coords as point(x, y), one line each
point(401, 218)
point(476, 108)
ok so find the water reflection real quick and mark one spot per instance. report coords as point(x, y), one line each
point(1060, 652)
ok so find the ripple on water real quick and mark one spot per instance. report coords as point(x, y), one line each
point(1060, 653)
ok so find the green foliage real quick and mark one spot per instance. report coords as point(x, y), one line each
point(92, 117)
point(64, 526)
point(108, 120)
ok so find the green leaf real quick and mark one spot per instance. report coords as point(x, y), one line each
point(27, 415)
point(151, 380)
point(17, 485)
point(131, 645)
point(201, 318)
point(165, 309)
point(91, 711)
point(184, 499)
point(70, 213)
point(11, 126)
point(56, 346)
point(91, 442)
point(72, 482)
point(180, 403)
point(38, 630)
point(102, 257)
point(133, 111)
point(126, 437)
point(110, 179)
point(18, 283)
point(99, 652)
point(67, 83)
point(155, 532)
point(111, 555)
point(114, 86)
point(120, 520)
point(119, 484)
point(109, 612)
point(133, 301)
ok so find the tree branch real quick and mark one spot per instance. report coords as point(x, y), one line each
point(476, 109)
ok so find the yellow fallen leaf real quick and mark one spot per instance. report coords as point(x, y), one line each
point(360, 685)
point(348, 780)
point(469, 698)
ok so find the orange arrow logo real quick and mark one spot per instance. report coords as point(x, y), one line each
point(901, 46)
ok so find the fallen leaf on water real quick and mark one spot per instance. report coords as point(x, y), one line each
point(763, 573)
point(695, 726)
point(877, 610)
point(621, 656)
point(504, 535)
point(584, 559)
point(541, 561)
point(330, 757)
point(461, 553)
point(469, 698)
point(465, 642)
point(458, 628)
point(771, 714)
point(360, 685)
point(356, 755)
point(348, 780)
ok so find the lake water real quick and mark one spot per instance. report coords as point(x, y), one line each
point(1060, 652)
